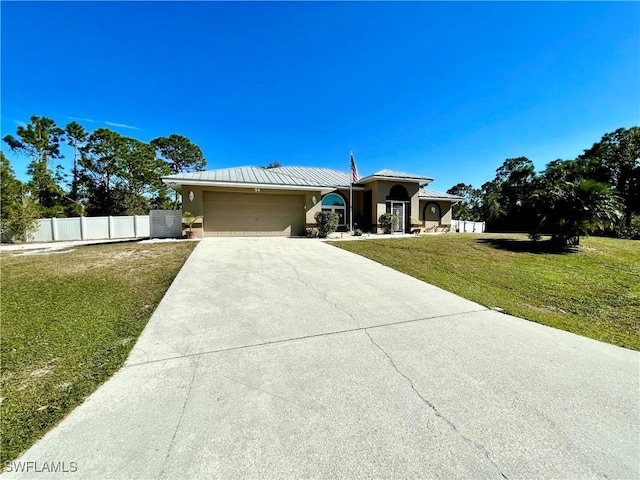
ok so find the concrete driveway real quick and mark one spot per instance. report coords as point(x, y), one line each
point(283, 358)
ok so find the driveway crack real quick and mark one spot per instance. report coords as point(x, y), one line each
point(296, 271)
point(274, 395)
point(326, 295)
point(341, 309)
point(452, 425)
point(303, 337)
point(184, 407)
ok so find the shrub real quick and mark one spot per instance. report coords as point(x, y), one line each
point(535, 236)
point(568, 210)
point(357, 232)
point(327, 223)
point(21, 219)
point(388, 222)
point(632, 232)
point(311, 232)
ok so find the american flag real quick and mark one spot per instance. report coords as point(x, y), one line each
point(354, 170)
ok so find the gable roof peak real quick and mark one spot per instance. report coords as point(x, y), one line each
point(397, 176)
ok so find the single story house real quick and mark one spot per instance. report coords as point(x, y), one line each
point(255, 201)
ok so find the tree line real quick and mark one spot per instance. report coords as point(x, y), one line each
point(111, 174)
point(599, 191)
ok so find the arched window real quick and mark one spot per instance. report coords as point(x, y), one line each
point(398, 192)
point(432, 212)
point(335, 203)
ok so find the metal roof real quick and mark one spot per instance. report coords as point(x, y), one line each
point(290, 176)
point(323, 176)
point(387, 174)
point(394, 173)
point(285, 177)
point(433, 195)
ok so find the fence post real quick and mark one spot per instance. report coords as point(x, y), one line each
point(54, 229)
point(82, 227)
point(110, 227)
point(135, 226)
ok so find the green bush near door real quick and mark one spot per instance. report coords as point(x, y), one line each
point(388, 222)
point(327, 223)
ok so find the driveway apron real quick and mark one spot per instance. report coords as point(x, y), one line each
point(288, 358)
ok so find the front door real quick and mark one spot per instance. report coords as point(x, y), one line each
point(397, 208)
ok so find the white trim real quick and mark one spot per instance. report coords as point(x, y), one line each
point(444, 199)
point(423, 181)
point(174, 182)
point(401, 223)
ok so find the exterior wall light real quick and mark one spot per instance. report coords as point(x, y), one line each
point(191, 195)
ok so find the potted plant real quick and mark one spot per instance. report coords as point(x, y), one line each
point(189, 219)
point(416, 226)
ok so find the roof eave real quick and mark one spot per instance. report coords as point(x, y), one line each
point(422, 181)
point(178, 182)
point(457, 200)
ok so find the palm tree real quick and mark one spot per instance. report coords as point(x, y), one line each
point(569, 209)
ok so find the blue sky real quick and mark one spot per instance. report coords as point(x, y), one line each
point(447, 90)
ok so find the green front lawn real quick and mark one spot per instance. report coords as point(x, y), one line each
point(594, 291)
point(69, 320)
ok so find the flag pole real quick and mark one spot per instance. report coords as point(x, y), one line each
point(351, 195)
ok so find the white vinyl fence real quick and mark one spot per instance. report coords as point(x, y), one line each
point(464, 226)
point(91, 228)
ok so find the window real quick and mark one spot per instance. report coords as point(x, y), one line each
point(398, 192)
point(335, 203)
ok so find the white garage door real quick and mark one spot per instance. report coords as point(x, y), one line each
point(236, 214)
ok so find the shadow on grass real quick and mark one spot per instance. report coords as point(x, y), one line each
point(528, 246)
point(119, 241)
point(60, 247)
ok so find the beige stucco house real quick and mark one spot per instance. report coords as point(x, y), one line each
point(255, 201)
